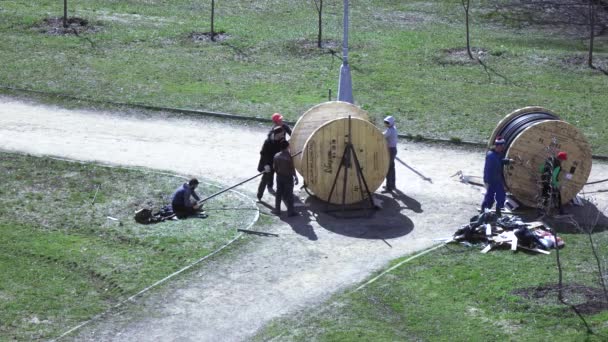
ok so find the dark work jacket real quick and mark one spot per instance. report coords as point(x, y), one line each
point(492, 171)
point(285, 127)
point(269, 149)
point(283, 164)
point(181, 197)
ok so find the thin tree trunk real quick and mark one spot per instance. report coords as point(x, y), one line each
point(592, 31)
point(599, 266)
point(320, 36)
point(465, 5)
point(560, 289)
point(65, 13)
point(212, 19)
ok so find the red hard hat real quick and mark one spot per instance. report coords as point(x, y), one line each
point(562, 156)
point(276, 118)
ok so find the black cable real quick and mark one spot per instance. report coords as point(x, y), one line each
point(517, 125)
point(596, 182)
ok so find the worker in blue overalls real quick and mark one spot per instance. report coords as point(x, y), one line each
point(492, 177)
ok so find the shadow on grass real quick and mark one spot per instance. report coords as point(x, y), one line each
point(588, 300)
point(587, 218)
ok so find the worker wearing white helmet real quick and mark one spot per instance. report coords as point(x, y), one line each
point(391, 136)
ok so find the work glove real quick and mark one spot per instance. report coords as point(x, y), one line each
point(266, 168)
point(295, 180)
point(486, 185)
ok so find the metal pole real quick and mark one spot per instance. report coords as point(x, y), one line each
point(345, 88)
point(65, 13)
point(345, 35)
point(240, 183)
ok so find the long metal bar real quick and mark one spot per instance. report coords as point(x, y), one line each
point(234, 186)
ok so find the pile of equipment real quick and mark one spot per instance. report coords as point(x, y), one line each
point(510, 231)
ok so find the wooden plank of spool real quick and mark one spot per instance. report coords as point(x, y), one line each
point(532, 147)
point(323, 151)
point(512, 116)
point(314, 118)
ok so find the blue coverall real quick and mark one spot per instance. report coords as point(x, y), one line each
point(492, 175)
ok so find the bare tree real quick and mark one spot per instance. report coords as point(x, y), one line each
point(560, 288)
point(466, 4)
point(319, 7)
point(65, 13)
point(592, 216)
point(592, 16)
point(212, 32)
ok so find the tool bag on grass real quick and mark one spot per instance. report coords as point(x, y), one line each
point(145, 216)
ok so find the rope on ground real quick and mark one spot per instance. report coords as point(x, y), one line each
point(597, 182)
point(131, 298)
point(399, 264)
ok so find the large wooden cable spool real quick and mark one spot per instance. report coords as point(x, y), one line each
point(322, 157)
point(532, 135)
point(322, 134)
point(314, 118)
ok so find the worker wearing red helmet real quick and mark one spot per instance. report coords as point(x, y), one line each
point(271, 146)
point(277, 120)
point(277, 133)
point(551, 187)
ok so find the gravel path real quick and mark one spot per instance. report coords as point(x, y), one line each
point(232, 296)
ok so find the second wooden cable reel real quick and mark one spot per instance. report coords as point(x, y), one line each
point(322, 134)
point(532, 135)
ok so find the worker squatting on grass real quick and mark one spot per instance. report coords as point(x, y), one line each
point(182, 204)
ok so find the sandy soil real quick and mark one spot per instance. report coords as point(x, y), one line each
point(232, 296)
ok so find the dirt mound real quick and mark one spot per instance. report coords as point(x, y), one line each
point(581, 61)
point(219, 36)
point(460, 56)
point(587, 300)
point(566, 18)
point(74, 25)
point(304, 47)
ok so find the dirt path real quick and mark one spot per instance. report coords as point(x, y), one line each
point(229, 299)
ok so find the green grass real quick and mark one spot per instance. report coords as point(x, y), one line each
point(458, 294)
point(63, 260)
point(141, 53)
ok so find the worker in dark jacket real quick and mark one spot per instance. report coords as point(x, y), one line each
point(551, 187)
point(277, 120)
point(271, 146)
point(493, 178)
point(181, 201)
point(286, 178)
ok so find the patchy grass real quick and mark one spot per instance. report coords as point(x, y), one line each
point(458, 294)
point(63, 260)
point(401, 53)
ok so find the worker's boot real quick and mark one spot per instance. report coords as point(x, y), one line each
point(271, 190)
point(498, 212)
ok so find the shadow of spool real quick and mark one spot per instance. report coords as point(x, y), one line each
point(387, 223)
